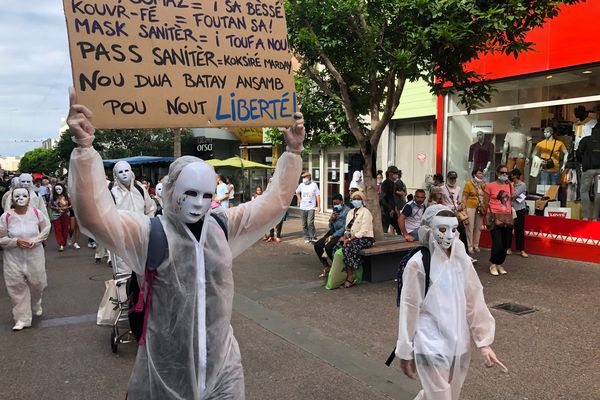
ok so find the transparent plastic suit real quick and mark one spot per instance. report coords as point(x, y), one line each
point(435, 330)
point(184, 357)
point(24, 269)
point(129, 199)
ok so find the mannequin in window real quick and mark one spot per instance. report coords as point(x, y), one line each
point(584, 124)
point(550, 149)
point(517, 145)
point(481, 154)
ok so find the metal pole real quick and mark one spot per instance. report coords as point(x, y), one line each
point(177, 143)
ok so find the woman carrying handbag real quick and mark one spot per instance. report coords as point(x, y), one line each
point(499, 218)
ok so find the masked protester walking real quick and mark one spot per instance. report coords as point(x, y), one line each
point(437, 322)
point(190, 351)
point(22, 231)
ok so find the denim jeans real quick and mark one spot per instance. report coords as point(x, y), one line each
point(549, 178)
point(308, 224)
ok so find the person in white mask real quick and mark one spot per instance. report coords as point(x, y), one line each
point(25, 181)
point(436, 323)
point(7, 197)
point(130, 195)
point(22, 231)
point(190, 351)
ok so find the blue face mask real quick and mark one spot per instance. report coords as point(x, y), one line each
point(338, 208)
point(357, 203)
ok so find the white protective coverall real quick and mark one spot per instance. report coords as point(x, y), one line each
point(127, 197)
point(24, 268)
point(25, 180)
point(434, 330)
point(190, 350)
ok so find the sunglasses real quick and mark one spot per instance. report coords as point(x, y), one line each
point(503, 172)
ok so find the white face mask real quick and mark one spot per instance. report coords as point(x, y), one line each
point(444, 230)
point(58, 190)
point(26, 180)
point(124, 174)
point(159, 189)
point(21, 197)
point(306, 181)
point(193, 191)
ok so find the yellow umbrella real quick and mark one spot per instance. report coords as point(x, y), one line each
point(238, 162)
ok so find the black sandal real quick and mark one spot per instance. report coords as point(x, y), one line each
point(348, 284)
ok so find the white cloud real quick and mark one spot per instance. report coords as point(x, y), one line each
point(34, 72)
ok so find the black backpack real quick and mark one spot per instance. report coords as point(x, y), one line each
point(140, 296)
point(426, 265)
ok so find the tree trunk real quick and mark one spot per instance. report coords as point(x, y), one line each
point(177, 143)
point(369, 177)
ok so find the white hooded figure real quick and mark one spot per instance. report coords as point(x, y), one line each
point(7, 197)
point(22, 231)
point(190, 351)
point(25, 181)
point(435, 328)
point(357, 181)
point(128, 195)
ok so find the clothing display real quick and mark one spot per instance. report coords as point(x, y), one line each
point(516, 162)
point(480, 154)
point(583, 129)
point(190, 351)
point(518, 143)
point(550, 149)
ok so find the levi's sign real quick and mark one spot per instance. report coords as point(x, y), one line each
point(181, 63)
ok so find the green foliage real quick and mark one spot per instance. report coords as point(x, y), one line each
point(40, 160)
point(361, 52)
point(119, 143)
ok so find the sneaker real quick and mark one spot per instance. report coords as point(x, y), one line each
point(508, 252)
point(69, 242)
point(61, 248)
point(75, 245)
point(92, 245)
point(20, 325)
point(37, 309)
point(501, 270)
point(306, 241)
point(477, 249)
point(524, 255)
point(493, 270)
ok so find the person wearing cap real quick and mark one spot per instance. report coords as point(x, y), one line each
point(399, 187)
point(309, 199)
point(358, 235)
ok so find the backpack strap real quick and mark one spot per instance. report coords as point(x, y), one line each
point(37, 213)
point(140, 189)
point(221, 224)
point(158, 248)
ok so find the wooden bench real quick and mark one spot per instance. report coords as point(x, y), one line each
point(380, 262)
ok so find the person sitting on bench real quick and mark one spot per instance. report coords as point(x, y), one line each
point(337, 223)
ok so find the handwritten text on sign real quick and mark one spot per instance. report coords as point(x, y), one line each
point(181, 63)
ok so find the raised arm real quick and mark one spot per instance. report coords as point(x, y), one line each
point(249, 221)
point(122, 232)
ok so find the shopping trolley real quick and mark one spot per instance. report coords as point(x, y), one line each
point(121, 332)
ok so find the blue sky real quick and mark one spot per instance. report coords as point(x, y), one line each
point(35, 73)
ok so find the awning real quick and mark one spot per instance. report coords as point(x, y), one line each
point(237, 162)
point(140, 160)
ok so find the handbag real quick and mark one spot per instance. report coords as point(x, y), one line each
point(108, 311)
point(463, 216)
point(503, 220)
point(549, 161)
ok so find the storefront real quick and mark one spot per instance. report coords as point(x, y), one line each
point(539, 90)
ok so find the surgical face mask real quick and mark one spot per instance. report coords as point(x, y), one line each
point(379, 181)
point(503, 178)
point(357, 203)
point(338, 208)
point(444, 230)
point(124, 174)
point(26, 180)
point(306, 181)
point(159, 189)
point(21, 197)
point(192, 192)
point(58, 189)
point(395, 177)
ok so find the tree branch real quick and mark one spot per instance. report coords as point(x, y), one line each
point(392, 101)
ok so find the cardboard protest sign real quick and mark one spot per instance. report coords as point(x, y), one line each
point(181, 63)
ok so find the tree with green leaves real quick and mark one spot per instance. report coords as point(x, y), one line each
point(120, 143)
point(41, 160)
point(361, 53)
